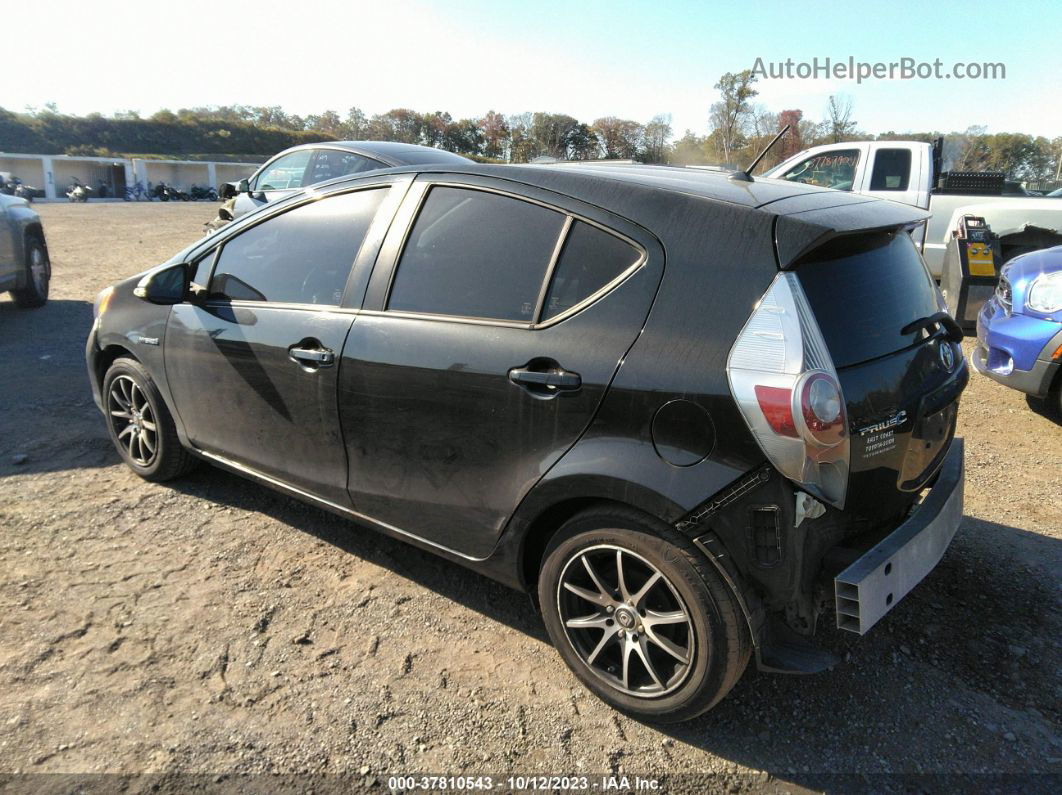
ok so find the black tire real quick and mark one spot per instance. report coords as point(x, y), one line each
point(38, 276)
point(168, 459)
point(713, 638)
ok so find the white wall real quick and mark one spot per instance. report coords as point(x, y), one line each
point(29, 170)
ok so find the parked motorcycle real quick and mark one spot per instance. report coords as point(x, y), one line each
point(136, 191)
point(16, 187)
point(164, 192)
point(24, 191)
point(203, 194)
point(78, 192)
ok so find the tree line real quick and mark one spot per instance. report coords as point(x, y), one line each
point(737, 129)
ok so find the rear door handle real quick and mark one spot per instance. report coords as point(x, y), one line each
point(546, 380)
point(319, 357)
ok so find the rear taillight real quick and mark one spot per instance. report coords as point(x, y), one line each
point(785, 384)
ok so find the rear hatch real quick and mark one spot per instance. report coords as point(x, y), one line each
point(901, 381)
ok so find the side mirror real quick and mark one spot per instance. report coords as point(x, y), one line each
point(166, 286)
point(243, 186)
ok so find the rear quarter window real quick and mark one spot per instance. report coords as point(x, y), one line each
point(590, 259)
point(863, 290)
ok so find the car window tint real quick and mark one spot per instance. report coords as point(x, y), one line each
point(302, 256)
point(476, 254)
point(286, 173)
point(892, 169)
point(590, 259)
point(332, 163)
point(827, 170)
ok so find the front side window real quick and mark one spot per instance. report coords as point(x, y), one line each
point(590, 259)
point(332, 163)
point(892, 169)
point(476, 254)
point(285, 173)
point(827, 170)
point(302, 256)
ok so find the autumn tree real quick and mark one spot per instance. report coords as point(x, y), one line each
point(495, 132)
point(793, 141)
point(619, 138)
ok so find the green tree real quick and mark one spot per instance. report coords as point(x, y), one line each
point(729, 116)
point(654, 140)
point(839, 110)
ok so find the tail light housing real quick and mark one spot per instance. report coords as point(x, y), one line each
point(786, 387)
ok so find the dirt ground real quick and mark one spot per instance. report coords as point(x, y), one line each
point(211, 626)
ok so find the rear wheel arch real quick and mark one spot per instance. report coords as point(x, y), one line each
point(545, 526)
point(553, 503)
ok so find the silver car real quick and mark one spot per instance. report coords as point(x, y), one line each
point(24, 266)
point(309, 164)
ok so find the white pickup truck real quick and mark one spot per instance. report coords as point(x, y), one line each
point(908, 172)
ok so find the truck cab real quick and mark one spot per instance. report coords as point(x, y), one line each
point(908, 172)
point(897, 170)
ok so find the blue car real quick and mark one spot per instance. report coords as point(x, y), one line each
point(1019, 329)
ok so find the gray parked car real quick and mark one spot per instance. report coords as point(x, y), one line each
point(309, 164)
point(24, 267)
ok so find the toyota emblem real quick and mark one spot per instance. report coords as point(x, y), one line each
point(947, 356)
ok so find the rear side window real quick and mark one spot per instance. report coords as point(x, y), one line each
point(892, 169)
point(476, 254)
point(863, 290)
point(332, 163)
point(302, 256)
point(591, 258)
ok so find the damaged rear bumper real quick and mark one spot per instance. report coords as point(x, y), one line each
point(877, 581)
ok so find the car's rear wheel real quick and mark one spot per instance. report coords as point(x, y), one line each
point(38, 276)
point(640, 616)
point(140, 425)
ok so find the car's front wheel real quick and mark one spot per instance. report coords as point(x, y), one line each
point(38, 276)
point(140, 425)
point(640, 616)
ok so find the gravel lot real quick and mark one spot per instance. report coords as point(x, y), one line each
point(211, 626)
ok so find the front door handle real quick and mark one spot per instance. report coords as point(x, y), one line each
point(313, 357)
point(545, 378)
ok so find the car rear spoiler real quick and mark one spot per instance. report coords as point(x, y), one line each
point(806, 222)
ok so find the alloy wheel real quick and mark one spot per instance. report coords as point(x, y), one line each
point(133, 420)
point(626, 621)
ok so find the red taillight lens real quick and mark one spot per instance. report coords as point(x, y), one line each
point(776, 404)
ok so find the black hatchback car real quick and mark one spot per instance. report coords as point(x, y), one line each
point(688, 414)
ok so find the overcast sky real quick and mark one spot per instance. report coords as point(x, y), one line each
point(584, 58)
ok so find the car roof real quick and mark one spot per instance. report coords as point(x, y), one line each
point(709, 184)
point(780, 197)
point(804, 215)
point(391, 152)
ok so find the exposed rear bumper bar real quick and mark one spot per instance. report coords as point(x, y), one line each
point(874, 584)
